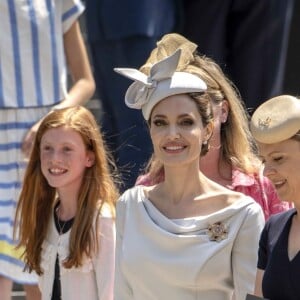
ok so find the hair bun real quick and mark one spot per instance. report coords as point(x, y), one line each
point(166, 47)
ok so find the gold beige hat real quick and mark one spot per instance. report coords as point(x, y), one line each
point(276, 120)
point(163, 81)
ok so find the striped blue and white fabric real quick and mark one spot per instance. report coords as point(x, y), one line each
point(32, 78)
point(32, 62)
point(13, 126)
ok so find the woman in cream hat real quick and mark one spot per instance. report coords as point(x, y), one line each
point(231, 160)
point(276, 127)
point(186, 237)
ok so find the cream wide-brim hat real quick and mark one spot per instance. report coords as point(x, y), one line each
point(164, 81)
point(276, 120)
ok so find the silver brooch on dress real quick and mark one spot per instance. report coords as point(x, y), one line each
point(217, 232)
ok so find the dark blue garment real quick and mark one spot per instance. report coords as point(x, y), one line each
point(122, 34)
point(281, 276)
point(118, 19)
point(248, 38)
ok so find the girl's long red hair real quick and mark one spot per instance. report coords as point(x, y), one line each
point(37, 198)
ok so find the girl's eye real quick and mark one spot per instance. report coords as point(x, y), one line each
point(187, 122)
point(46, 148)
point(159, 122)
point(67, 149)
point(279, 158)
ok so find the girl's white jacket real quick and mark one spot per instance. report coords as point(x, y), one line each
point(94, 279)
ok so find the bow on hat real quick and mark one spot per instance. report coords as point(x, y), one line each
point(162, 82)
point(144, 85)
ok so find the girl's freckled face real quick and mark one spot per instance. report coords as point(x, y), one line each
point(64, 157)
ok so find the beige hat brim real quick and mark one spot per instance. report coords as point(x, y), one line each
point(276, 120)
point(162, 82)
point(179, 83)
